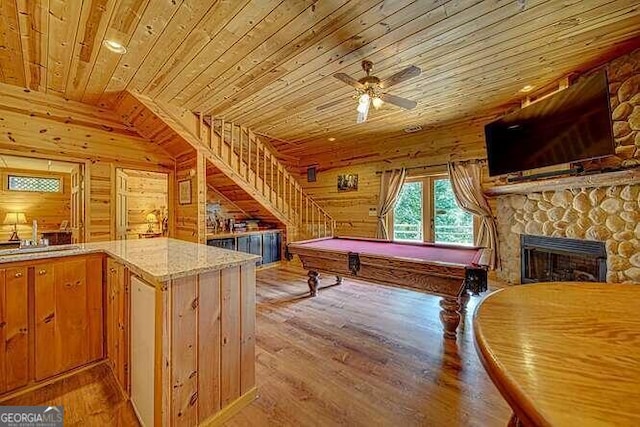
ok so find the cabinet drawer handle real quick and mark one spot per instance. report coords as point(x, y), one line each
point(113, 270)
point(49, 318)
point(18, 275)
point(42, 272)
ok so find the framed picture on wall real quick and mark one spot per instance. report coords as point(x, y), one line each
point(184, 192)
point(348, 182)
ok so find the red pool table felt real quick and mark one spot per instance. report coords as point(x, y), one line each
point(443, 253)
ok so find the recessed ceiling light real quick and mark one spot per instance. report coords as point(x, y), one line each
point(527, 88)
point(412, 129)
point(332, 139)
point(114, 46)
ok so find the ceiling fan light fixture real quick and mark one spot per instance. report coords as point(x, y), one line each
point(377, 102)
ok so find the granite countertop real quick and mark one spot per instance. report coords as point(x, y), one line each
point(241, 233)
point(155, 260)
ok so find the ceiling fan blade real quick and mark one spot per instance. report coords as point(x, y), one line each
point(400, 76)
point(398, 101)
point(345, 78)
point(329, 104)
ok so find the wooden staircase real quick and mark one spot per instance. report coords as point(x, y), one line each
point(239, 153)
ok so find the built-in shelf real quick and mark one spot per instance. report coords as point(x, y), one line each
point(623, 177)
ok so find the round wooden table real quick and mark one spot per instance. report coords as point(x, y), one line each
point(564, 354)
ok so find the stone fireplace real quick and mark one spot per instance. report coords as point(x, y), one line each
point(555, 259)
point(609, 215)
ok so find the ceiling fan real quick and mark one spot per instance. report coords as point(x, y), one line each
point(370, 90)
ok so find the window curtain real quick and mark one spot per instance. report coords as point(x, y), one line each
point(466, 183)
point(390, 185)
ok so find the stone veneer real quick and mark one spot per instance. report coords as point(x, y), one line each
point(624, 91)
point(608, 214)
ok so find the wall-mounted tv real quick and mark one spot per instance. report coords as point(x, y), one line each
point(569, 126)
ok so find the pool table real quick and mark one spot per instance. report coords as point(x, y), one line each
point(445, 270)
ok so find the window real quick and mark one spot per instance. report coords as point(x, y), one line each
point(426, 211)
point(36, 184)
point(407, 215)
point(450, 223)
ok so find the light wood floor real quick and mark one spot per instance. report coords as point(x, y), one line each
point(356, 355)
point(363, 355)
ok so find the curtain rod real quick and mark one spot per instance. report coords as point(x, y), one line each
point(482, 160)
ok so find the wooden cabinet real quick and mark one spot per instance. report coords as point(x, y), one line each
point(14, 329)
point(271, 243)
point(266, 244)
point(229, 243)
point(50, 318)
point(251, 244)
point(117, 306)
point(68, 315)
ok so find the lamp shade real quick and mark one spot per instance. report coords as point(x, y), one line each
point(152, 218)
point(13, 218)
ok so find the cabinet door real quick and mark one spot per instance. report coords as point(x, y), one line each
point(117, 322)
point(14, 343)
point(244, 243)
point(267, 248)
point(68, 311)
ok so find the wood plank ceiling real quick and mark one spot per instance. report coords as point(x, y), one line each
point(268, 64)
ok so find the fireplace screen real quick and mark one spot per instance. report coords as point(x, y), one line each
point(551, 259)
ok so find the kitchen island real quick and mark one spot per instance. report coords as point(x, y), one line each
point(174, 320)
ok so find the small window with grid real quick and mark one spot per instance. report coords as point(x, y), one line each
point(34, 184)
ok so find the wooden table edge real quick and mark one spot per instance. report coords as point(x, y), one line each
point(508, 388)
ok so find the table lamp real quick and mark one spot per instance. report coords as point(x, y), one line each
point(151, 219)
point(14, 218)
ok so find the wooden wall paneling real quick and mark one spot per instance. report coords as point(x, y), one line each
point(101, 226)
point(16, 328)
point(184, 347)
point(230, 329)
point(146, 192)
point(190, 218)
point(247, 328)
point(349, 209)
point(209, 344)
point(49, 209)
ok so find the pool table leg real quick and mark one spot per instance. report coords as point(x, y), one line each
point(464, 300)
point(313, 282)
point(450, 316)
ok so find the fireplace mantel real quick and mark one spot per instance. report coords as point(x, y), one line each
point(623, 177)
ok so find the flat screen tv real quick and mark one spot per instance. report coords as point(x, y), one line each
point(569, 126)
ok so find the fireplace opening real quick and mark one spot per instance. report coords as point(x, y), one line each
point(555, 259)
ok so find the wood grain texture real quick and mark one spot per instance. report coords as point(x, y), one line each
point(230, 330)
point(269, 65)
point(15, 329)
point(209, 340)
point(579, 362)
